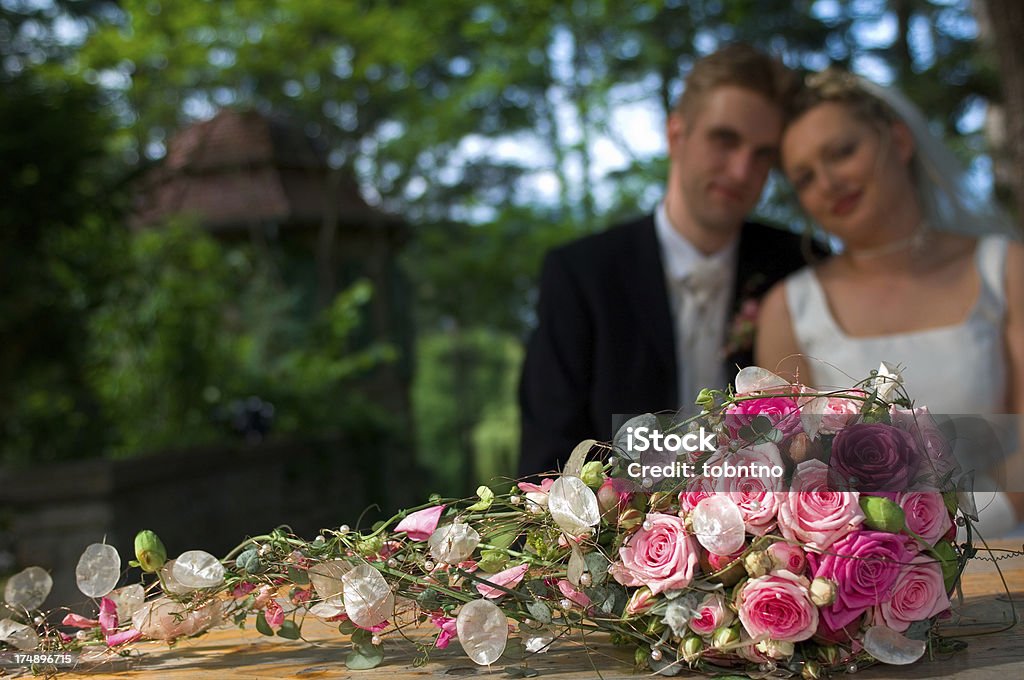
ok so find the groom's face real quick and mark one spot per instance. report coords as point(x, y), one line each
point(721, 154)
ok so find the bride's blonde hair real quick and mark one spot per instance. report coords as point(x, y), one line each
point(940, 181)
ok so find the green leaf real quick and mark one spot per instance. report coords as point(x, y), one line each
point(365, 655)
point(298, 576)
point(262, 626)
point(289, 630)
point(346, 627)
point(486, 498)
point(539, 611)
point(597, 567)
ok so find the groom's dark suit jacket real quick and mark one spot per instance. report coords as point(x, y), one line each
point(604, 344)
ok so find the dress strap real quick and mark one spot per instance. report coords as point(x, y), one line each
point(808, 308)
point(990, 258)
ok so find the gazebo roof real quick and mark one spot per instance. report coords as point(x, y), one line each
point(242, 169)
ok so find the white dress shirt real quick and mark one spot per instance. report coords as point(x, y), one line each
point(700, 288)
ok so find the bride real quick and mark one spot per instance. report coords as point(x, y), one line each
point(928, 276)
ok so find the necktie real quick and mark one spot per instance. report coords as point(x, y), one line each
point(698, 331)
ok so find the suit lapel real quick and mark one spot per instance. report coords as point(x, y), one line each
point(649, 295)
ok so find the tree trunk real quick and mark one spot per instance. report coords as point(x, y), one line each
point(1007, 24)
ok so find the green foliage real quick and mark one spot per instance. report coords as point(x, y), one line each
point(464, 406)
point(56, 237)
point(190, 326)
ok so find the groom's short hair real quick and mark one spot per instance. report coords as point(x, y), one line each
point(738, 65)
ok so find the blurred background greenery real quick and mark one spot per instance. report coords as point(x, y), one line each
point(470, 136)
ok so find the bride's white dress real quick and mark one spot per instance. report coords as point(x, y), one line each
point(953, 369)
point(957, 369)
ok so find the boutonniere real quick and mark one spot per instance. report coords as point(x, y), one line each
point(742, 328)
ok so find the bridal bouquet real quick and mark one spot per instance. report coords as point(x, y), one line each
point(782, 531)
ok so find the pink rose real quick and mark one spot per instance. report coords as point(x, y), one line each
point(787, 556)
point(864, 566)
point(660, 555)
point(919, 594)
point(508, 578)
point(812, 513)
point(828, 414)
point(926, 514)
point(938, 460)
point(697, 489)
point(755, 496)
point(782, 412)
point(711, 615)
point(421, 524)
point(778, 607)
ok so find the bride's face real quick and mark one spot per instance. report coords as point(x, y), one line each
point(848, 176)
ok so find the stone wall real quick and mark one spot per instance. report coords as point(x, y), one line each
point(206, 498)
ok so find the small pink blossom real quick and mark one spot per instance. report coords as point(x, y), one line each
point(448, 630)
point(787, 556)
point(421, 524)
point(711, 615)
point(265, 595)
point(79, 621)
point(509, 578)
point(108, 615)
point(300, 595)
point(242, 589)
point(122, 638)
point(572, 594)
point(536, 494)
point(782, 412)
point(274, 614)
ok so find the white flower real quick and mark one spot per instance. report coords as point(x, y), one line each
point(368, 597)
point(453, 543)
point(573, 505)
point(887, 380)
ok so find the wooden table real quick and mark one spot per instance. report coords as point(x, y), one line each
point(234, 653)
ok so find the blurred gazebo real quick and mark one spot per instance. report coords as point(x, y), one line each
point(244, 175)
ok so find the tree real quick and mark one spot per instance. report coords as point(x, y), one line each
point(1006, 19)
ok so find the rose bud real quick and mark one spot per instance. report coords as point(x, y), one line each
point(149, 551)
point(787, 556)
point(592, 474)
point(829, 654)
point(811, 670)
point(608, 500)
point(823, 592)
point(801, 448)
point(776, 649)
point(710, 563)
point(757, 563)
point(690, 648)
point(640, 601)
point(723, 637)
point(630, 519)
point(882, 514)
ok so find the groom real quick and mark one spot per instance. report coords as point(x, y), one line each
point(640, 317)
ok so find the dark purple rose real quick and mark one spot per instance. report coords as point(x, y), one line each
point(873, 457)
point(864, 566)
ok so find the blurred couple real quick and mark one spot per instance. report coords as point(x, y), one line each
point(641, 316)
